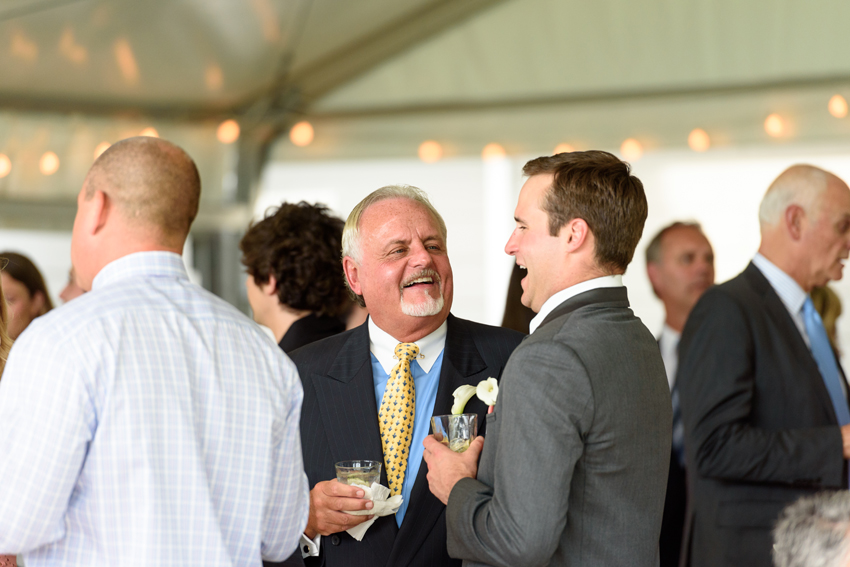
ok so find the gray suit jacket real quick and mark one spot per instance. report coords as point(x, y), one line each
point(574, 466)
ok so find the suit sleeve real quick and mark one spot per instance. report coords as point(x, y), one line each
point(544, 404)
point(717, 385)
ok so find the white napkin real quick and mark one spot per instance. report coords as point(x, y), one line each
point(382, 506)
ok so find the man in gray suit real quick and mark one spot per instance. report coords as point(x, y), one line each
point(574, 466)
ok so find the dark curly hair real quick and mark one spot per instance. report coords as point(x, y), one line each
point(300, 246)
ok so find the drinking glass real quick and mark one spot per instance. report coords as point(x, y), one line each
point(360, 473)
point(455, 431)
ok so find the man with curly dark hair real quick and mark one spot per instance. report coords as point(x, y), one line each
point(295, 280)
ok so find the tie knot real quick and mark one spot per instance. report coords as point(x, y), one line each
point(406, 351)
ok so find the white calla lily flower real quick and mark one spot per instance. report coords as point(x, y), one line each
point(462, 396)
point(488, 391)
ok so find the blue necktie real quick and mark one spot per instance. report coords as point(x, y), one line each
point(825, 358)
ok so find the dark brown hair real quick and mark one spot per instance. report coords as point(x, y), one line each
point(300, 246)
point(22, 269)
point(598, 188)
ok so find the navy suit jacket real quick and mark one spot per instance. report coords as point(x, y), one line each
point(760, 429)
point(339, 421)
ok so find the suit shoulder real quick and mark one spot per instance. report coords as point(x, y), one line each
point(485, 333)
point(321, 352)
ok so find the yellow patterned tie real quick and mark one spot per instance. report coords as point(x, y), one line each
point(396, 416)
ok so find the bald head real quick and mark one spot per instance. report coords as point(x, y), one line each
point(153, 183)
point(801, 185)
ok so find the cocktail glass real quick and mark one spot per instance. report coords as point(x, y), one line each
point(360, 473)
point(455, 431)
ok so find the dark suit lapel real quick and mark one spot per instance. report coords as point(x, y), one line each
point(350, 416)
point(461, 361)
point(785, 326)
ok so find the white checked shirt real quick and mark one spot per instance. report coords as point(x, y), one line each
point(148, 423)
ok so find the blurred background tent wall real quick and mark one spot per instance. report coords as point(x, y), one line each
point(326, 100)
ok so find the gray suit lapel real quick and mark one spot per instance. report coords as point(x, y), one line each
point(599, 295)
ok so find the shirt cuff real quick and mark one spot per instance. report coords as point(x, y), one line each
point(310, 547)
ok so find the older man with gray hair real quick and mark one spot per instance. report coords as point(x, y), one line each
point(412, 351)
point(814, 532)
point(764, 399)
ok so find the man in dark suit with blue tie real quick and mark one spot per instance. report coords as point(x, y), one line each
point(764, 400)
point(412, 351)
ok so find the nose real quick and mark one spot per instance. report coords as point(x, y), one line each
point(511, 246)
point(419, 256)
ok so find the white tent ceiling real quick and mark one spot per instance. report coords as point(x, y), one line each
point(377, 77)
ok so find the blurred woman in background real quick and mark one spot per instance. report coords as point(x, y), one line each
point(25, 291)
point(5, 346)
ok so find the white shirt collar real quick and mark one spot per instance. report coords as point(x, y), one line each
point(788, 290)
point(563, 295)
point(668, 342)
point(382, 345)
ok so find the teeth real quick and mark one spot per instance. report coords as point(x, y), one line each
point(521, 267)
point(420, 280)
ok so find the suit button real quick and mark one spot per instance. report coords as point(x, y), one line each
point(335, 539)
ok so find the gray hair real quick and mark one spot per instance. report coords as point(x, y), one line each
point(351, 236)
point(813, 532)
point(801, 185)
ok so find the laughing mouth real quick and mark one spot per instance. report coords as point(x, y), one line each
point(426, 277)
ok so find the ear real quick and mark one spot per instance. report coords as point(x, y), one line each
point(270, 287)
point(795, 218)
point(654, 277)
point(352, 274)
point(575, 234)
point(96, 212)
point(38, 301)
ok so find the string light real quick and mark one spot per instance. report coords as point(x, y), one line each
point(631, 149)
point(698, 140)
point(563, 149)
point(49, 163)
point(100, 148)
point(150, 131)
point(228, 132)
point(5, 165)
point(430, 151)
point(302, 134)
point(493, 151)
point(838, 106)
point(774, 125)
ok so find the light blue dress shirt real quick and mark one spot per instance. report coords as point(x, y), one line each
point(426, 380)
point(149, 423)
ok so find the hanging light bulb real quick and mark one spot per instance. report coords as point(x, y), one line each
point(49, 163)
point(563, 149)
point(228, 132)
point(430, 151)
point(698, 140)
point(838, 106)
point(100, 148)
point(302, 134)
point(774, 125)
point(493, 151)
point(631, 149)
point(5, 165)
point(150, 131)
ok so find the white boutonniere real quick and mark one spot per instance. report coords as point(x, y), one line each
point(487, 391)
